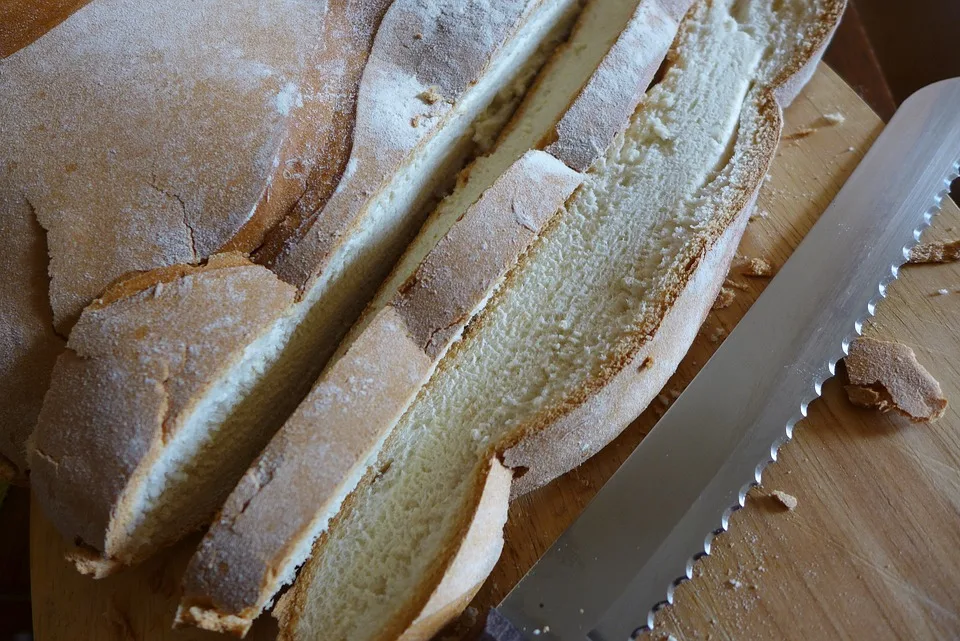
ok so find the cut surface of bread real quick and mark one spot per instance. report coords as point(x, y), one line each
point(178, 487)
point(559, 348)
point(502, 201)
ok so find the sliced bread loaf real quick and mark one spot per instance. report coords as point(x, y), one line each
point(404, 144)
point(503, 200)
point(585, 330)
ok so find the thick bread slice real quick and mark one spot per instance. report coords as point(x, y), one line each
point(618, 283)
point(28, 344)
point(167, 337)
point(254, 395)
point(139, 134)
point(265, 529)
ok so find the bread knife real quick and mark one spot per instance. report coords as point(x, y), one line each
point(638, 539)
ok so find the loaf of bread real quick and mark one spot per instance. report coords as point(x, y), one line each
point(581, 336)
point(503, 200)
point(137, 135)
point(427, 78)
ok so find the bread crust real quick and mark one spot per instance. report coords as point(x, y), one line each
point(562, 437)
point(168, 337)
point(28, 344)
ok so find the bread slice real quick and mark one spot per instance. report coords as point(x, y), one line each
point(285, 500)
point(585, 330)
point(99, 125)
point(154, 496)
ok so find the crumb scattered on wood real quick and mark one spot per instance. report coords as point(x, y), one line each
point(716, 334)
point(735, 584)
point(942, 292)
point(886, 376)
point(760, 213)
point(935, 252)
point(431, 95)
point(835, 118)
point(724, 298)
point(733, 284)
point(758, 268)
point(788, 501)
point(799, 134)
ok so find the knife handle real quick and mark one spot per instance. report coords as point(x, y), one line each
point(498, 628)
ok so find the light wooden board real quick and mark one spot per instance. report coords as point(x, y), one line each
point(870, 552)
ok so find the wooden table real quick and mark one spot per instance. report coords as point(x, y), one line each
point(870, 551)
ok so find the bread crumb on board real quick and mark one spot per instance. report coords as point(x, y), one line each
point(800, 134)
point(935, 252)
point(760, 213)
point(716, 334)
point(758, 268)
point(886, 376)
point(835, 118)
point(724, 298)
point(733, 284)
point(788, 501)
point(941, 292)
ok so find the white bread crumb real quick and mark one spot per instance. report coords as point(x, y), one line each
point(786, 500)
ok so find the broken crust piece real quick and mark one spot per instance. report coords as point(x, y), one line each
point(887, 376)
point(935, 252)
point(786, 500)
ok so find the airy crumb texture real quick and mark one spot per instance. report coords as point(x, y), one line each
point(786, 500)
point(935, 252)
point(725, 298)
point(758, 268)
point(886, 376)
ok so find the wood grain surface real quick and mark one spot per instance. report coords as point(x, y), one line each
point(870, 550)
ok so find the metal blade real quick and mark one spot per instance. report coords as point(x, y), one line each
point(638, 538)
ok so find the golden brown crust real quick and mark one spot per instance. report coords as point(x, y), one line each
point(165, 344)
point(349, 31)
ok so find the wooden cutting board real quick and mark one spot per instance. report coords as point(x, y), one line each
point(869, 552)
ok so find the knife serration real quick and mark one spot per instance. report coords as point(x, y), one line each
point(639, 538)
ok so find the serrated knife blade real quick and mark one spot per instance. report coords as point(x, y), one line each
point(637, 540)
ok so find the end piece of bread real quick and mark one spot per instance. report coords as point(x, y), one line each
point(287, 497)
point(368, 219)
point(550, 370)
point(125, 481)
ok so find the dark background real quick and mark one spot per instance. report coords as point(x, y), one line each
point(885, 49)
